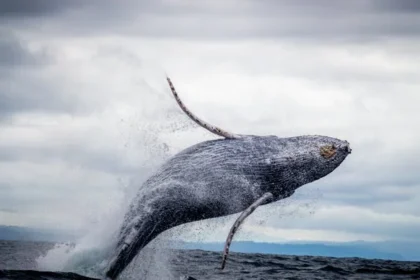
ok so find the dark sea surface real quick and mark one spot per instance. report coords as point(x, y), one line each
point(18, 261)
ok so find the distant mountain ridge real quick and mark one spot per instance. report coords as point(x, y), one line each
point(367, 251)
point(31, 234)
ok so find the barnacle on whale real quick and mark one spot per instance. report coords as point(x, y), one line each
point(328, 151)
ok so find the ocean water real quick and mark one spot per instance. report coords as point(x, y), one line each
point(18, 259)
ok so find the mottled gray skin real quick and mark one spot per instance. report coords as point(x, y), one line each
point(218, 178)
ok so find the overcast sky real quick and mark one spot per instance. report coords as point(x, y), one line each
point(85, 111)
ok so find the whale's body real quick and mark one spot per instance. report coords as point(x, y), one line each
point(218, 178)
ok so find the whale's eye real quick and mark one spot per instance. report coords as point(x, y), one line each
point(328, 151)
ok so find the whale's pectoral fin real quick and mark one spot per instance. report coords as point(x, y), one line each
point(265, 198)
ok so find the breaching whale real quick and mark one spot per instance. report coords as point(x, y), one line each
point(221, 177)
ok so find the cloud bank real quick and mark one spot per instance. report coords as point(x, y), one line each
point(85, 112)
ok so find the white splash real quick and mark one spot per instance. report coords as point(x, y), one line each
point(146, 144)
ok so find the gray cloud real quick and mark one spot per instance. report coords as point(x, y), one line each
point(33, 80)
point(9, 210)
point(22, 8)
point(22, 86)
point(106, 161)
point(355, 20)
point(410, 6)
point(33, 96)
point(50, 7)
point(361, 90)
point(13, 53)
point(27, 93)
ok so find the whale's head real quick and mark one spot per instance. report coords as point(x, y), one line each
point(281, 165)
point(304, 159)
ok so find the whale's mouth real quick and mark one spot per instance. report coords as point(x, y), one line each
point(348, 149)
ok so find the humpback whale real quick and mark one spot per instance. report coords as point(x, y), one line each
point(234, 174)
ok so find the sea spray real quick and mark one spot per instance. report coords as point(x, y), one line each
point(146, 141)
